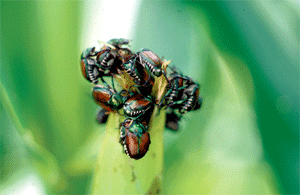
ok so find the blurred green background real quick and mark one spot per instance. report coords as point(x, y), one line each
point(245, 55)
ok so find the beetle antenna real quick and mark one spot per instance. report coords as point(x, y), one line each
point(103, 81)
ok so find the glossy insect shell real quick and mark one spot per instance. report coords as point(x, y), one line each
point(192, 93)
point(102, 95)
point(103, 57)
point(173, 92)
point(152, 60)
point(89, 70)
point(118, 42)
point(87, 53)
point(136, 105)
point(139, 75)
point(133, 72)
point(125, 54)
point(107, 98)
point(135, 138)
point(84, 68)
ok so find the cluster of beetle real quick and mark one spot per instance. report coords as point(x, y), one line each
point(136, 101)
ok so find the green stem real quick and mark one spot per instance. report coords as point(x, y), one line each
point(115, 172)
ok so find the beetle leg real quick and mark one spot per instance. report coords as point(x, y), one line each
point(162, 100)
point(91, 75)
point(179, 102)
point(182, 87)
point(133, 63)
point(103, 81)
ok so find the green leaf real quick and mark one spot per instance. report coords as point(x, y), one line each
point(43, 161)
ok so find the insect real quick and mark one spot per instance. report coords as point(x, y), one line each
point(175, 87)
point(112, 55)
point(173, 117)
point(182, 94)
point(106, 62)
point(189, 99)
point(139, 75)
point(134, 138)
point(89, 68)
point(137, 105)
point(109, 99)
point(147, 61)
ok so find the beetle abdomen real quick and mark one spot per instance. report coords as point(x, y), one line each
point(136, 105)
point(151, 57)
point(101, 94)
point(136, 147)
point(135, 138)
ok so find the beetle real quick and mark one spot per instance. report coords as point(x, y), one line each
point(182, 94)
point(147, 61)
point(189, 99)
point(138, 74)
point(106, 62)
point(137, 105)
point(112, 55)
point(88, 65)
point(109, 99)
point(174, 91)
point(135, 138)
point(90, 68)
point(175, 87)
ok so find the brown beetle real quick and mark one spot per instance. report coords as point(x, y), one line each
point(135, 138)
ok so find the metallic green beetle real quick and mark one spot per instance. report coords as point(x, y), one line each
point(119, 43)
point(88, 65)
point(137, 106)
point(145, 60)
point(90, 68)
point(139, 75)
point(134, 138)
point(150, 61)
point(109, 99)
point(109, 57)
point(182, 94)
